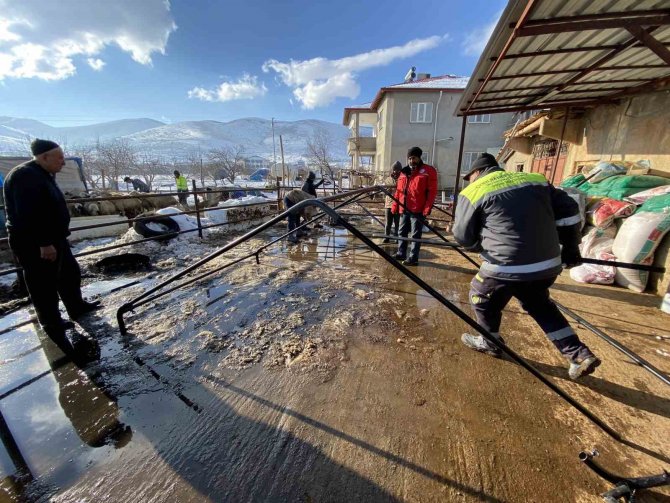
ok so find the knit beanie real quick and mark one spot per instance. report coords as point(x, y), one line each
point(38, 147)
point(484, 161)
point(414, 152)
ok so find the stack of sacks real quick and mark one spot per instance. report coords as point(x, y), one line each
point(602, 211)
point(636, 242)
point(596, 243)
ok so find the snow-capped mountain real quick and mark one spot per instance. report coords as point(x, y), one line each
point(179, 140)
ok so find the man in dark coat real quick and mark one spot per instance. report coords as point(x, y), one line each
point(309, 186)
point(38, 226)
point(138, 184)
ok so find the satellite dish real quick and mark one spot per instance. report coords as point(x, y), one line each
point(409, 77)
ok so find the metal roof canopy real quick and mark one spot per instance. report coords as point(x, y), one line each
point(548, 54)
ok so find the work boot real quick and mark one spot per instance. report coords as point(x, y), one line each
point(292, 238)
point(412, 262)
point(400, 256)
point(478, 343)
point(386, 241)
point(583, 367)
point(84, 308)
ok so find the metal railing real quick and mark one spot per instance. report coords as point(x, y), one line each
point(199, 212)
point(322, 204)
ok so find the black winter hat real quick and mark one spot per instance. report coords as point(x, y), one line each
point(311, 175)
point(38, 147)
point(397, 166)
point(414, 152)
point(482, 162)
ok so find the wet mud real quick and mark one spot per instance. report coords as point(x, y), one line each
point(321, 374)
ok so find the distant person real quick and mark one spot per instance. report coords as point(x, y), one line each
point(138, 184)
point(309, 186)
point(182, 187)
point(291, 199)
point(524, 229)
point(416, 191)
point(392, 219)
point(38, 226)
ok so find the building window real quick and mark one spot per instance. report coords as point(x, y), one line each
point(519, 167)
point(479, 119)
point(468, 159)
point(421, 113)
point(380, 120)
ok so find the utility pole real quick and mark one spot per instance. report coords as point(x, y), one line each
point(274, 149)
point(202, 178)
point(281, 146)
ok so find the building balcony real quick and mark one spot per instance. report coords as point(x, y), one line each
point(363, 145)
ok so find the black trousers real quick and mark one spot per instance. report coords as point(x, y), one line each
point(47, 281)
point(392, 223)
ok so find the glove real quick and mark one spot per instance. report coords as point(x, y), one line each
point(570, 256)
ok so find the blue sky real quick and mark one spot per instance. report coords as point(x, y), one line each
point(77, 62)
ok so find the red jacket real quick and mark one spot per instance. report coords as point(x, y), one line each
point(417, 190)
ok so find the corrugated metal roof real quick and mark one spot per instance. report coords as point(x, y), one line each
point(544, 53)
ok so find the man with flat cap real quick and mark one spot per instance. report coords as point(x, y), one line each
point(524, 229)
point(416, 190)
point(38, 226)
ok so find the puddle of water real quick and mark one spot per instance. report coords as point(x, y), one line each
point(17, 342)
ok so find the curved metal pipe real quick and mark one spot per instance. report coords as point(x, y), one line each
point(610, 340)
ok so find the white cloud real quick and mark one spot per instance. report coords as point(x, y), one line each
point(46, 39)
point(317, 82)
point(475, 41)
point(95, 63)
point(245, 88)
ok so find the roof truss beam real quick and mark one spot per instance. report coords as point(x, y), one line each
point(569, 50)
point(622, 20)
point(650, 42)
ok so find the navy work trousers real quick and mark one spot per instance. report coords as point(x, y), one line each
point(489, 296)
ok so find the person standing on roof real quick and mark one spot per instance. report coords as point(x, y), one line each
point(138, 184)
point(518, 222)
point(38, 226)
point(416, 191)
point(182, 187)
point(309, 186)
point(392, 219)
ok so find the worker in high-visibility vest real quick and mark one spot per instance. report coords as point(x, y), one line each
point(182, 186)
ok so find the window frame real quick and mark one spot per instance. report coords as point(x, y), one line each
point(421, 105)
point(479, 119)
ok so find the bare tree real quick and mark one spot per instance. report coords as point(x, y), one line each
point(149, 167)
point(229, 160)
point(320, 152)
point(90, 164)
point(116, 159)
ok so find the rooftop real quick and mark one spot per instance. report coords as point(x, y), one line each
point(453, 83)
point(546, 54)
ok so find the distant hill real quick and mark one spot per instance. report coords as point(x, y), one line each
point(181, 139)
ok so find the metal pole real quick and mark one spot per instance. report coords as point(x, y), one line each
point(202, 177)
point(560, 145)
point(279, 201)
point(274, 149)
point(281, 147)
point(460, 160)
point(197, 210)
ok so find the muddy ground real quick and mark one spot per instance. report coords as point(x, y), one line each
point(323, 374)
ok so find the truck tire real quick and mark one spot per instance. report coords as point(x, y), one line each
point(159, 226)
